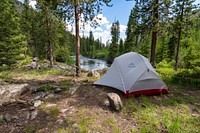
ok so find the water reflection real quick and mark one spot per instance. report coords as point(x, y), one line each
point(92, 64)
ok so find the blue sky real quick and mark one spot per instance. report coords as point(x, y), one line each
point(119, 11)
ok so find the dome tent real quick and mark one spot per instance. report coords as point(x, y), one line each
point(133, 74)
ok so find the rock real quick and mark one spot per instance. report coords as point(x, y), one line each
point(35, 59)
point(24, 90)
point(60, 122)
point(106, 103)
point(49, 96)
point(15, 117)
point(8, 118)
point(58, 90)
point(51, 105)
point(10, 92)
point(41, 95)
point(115, 101)
point(33, 65)
point(37, 103)
point(33, 114)
point(93, 73)
point(15, 102)
point(4, 65)
point(72, 90)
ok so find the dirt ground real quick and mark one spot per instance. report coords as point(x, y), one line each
point(81, 111)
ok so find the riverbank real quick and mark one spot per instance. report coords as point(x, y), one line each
point(56, 101)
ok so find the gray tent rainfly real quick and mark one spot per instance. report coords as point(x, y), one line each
point(134, 75)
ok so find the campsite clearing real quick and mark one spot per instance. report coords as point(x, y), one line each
point(84, 109)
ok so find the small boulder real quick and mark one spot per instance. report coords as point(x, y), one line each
point(8, 118)
point(106, 103)
point(73, 90)
point(33, 114)
point(93, 73)
point(114, 101)
point(35, 59)
point(37, 103)
point(58, 90)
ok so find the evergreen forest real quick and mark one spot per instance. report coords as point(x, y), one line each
point(36, 48)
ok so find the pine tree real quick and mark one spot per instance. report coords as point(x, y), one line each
point(11, 40)
point(121, 46)
point(182, 11)
point(25, 23)
point(48, 9)
point(91, 45)
point(132, 31)
point(115, 33)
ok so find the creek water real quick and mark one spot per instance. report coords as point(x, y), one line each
point(92, 64)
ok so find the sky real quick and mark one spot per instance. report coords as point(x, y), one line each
point(119, 11)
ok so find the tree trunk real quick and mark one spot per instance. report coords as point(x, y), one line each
point(179, 37)
point(78, 71)
point(154, 34)
point(50, 46)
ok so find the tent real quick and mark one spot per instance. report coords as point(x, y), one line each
point(134, 75)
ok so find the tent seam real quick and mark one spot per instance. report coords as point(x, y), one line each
point(121, 77)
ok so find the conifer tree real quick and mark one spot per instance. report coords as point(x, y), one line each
point(115, 33)
point(132, 31)
point(11, 40)
point(182, 11)
point(121, 46)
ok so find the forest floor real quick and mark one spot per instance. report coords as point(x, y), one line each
point(58, 102)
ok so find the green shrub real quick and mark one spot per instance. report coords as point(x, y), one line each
point(165, 64)
point(189, 77)
point(23, 63)
point(54, 111)
point(46, 87)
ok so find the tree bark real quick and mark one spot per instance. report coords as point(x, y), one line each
point(179, 37)
point(50, 46)
point(154, 35)
point(78, 71)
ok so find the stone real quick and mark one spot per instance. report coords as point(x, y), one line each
point(10, 92)
point(33, 65)
point(15, 117)
point(72, 90)
point(7, 118)
point(58, 90)
point(37, 103)
point(33, 114)
point(35, 59)
point(115, 101)
point(93, 73)
point(63, 110)
point(49, 96)
point(106, 103)
point(51, 105)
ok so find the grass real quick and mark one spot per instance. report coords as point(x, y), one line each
point(31, 74)
point(29, 129)
point(1, 119)
point(53, 111)
point(46, 87)
point(111, 121)
point(170, 115)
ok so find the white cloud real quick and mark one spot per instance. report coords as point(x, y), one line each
point(123, 28)
point(101, 32)
point(101, 20)
point(32, 3)
point(108, 26)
